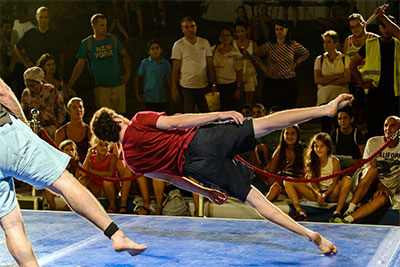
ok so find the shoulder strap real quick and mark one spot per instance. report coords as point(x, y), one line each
point(89, 44)
point(355, 136)
point(322, 60)
point(114, 40)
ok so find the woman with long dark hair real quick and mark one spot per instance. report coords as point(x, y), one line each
point(281, 55)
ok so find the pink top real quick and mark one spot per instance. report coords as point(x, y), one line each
point(148, 149)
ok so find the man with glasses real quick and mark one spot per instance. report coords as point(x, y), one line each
point(351, 45)
point(193, 66)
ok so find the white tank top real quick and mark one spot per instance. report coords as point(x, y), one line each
point(326, 170)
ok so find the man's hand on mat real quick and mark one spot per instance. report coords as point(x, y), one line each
point(217, 197)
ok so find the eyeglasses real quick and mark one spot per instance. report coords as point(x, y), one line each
point(355, 26)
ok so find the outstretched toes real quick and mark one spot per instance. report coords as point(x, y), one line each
point(326, 246)
point(123, 243)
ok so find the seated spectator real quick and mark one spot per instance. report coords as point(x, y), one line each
point(260, 24)
point(48, 64)
point(246, 111)
point(228, 65)
point(76, 129)
point(100, 162)
point(69, 147)
point(380, 178)
point(43, 97)
point(116, 18)
point(319, 162)
point(249, 71)
point(156, 74)
point(331, 74)
point(287, 159)
point(347, 139)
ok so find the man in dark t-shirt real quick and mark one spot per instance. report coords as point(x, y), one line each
point(38, 41)
point(172, 148)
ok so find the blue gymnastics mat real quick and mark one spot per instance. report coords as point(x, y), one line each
point(65, 239)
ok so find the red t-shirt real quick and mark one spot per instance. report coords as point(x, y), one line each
point(148, 149)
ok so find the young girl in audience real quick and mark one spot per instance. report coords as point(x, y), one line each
point(287, 159)
point(249, 72)
point(69, 147)
point(320, 162)
point(101, 162)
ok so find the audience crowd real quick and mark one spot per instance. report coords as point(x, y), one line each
point(254, 54)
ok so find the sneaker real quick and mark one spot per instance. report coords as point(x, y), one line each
point(347, 213)
point(300, 216)
point(339, 220)
point(335, 218)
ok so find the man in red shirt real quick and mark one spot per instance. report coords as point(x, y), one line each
point(172, 148)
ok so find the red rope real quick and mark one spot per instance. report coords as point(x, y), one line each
point(95, 177)
point(306, 180)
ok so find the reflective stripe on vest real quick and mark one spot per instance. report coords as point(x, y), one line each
point(372, 68)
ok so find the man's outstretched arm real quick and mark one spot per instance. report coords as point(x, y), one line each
point(215, 196)
point(190, 120)
point(10, 101)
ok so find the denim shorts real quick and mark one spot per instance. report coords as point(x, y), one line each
point(27, 158)
point(209, 158)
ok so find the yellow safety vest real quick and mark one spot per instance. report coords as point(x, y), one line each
point(372, 68)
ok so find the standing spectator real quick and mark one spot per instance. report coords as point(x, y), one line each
point(5, 47)
point(282, 56)
point(295, 8)
point(249, 71)
point(101, 50)
point(241, 18)
point(380, 177)
point(318, 161)
point(228, 65)
point(331, 74)
point(21, 25)
point(259, 24)
point(347, 139)
point(52, 75)
point(137, 6)
point(192, 65)
point(336, 13)
point(351, 45)
point(40, 40)
point(116, 16)
point(381, 73)
point(156, 73)
point(76, 129)
point(43, 97)
point(158, 13)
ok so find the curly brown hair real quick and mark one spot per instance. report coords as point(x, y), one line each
point(312, 164)
point(104, 127)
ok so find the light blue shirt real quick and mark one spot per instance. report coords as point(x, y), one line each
point(155, 76)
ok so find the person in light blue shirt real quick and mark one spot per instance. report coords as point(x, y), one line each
point(156, 74)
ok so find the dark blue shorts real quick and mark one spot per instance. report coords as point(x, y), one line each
point(210, 157)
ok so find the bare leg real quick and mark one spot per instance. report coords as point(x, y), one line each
point(294, 190)
point(249, 98)
point(144, 190)
point(270, 212)
point(139, 14)
point(158, 187)
point(17, 241)
point(84, 204)
point(109, 189)
point(344, 192)
point(295, 15)
point(274, 191)
point(125, 188)
point(50, 199)
point(370, 207)
point(371, 174)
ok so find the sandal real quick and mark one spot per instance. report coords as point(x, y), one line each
point(157, 211)
point(123, 209)
point(141, 210)
point(110, 210)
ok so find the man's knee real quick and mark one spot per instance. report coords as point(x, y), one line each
point(380, 201)
point(369, 175)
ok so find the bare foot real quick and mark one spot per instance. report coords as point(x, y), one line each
point(122, 243)
point(274, 191)
point(326, 246)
